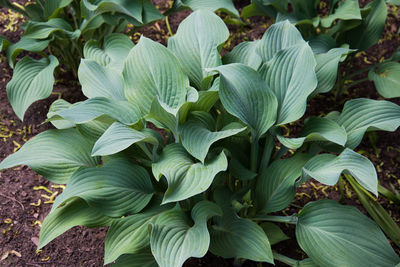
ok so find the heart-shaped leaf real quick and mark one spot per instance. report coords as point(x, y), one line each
point(196, 44)
point(335, 235)
point(387, 79)
point(152, 71)
point(33, 80)
point(246, 96)
point(173, 240)
point(362, 115)
point(57, 154)
point(327, 168)
point(74, 213)
point(118, 188)
point(119, 137)
point(291, 76)
point(185, 177)
point(197, 134)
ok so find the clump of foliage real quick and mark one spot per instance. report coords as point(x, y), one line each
point(57, 30)
point(339, 23)
point(215, 180)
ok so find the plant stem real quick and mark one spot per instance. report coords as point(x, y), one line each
point(281, 219)
point(388, 194)
point(376, 211)
point(347, 87)
point(351, 75)
point(267, 154)
point(341, 189)
point(284, 259)
point(168, 26)
point(254, 154)
point(146, 150)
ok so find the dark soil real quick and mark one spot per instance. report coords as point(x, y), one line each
point(20, 214)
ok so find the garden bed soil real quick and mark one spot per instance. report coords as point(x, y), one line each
point(20, 193)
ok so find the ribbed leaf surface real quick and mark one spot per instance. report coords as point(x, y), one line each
point(152, 71)
point(245, 53)
point(55, 154)
point(197, 135)
point(185, 177)
point(74, 213)
point(335, 235)
point(119, 137)
point(279, 36)
point(42, 30)
point(25, 44)
point(362, 115)
point(33, 80)
point(196, 44)
point(276, 185)
point(327, 168)
point(116, 189)
point(173, 240)
point(387, 79)
point(347, 10)
point(86, 111)
point(317, 129)
point(245, 95)
point(291, 76)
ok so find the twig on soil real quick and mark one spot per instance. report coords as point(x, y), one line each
point(13, 199)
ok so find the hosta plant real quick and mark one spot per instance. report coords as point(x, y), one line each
point(57, 30)
point(213, 179)
point(339, 23)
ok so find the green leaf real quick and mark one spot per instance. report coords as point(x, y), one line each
point(52, 7)
point(197, 134)
point(196, 44)
point(100, 81)
point(74, 213)
point(58, 105)
point(42, 30)
point(322, 43)
point(276, 185)
point(116, 189)
point(335, 235)
point(86, 111)
point(327, 68)
point(245, 53)
point(211, 5)
point(274, 233)
point(347, 10)
point(113, 53)
point(234, 237)
point(32, 81)
point(152, 71)
point(130, 235)
point(139, 259)
point(279, 36)
point(55, 154)
point(185, 177)
point(317, 129)
point(386, 78)
point(362, 115)
point(246, 96)
point(173, 240)
point(4, 43)
point(371, 28)
point(327, 168)
point(133, 8)
point(27, 44)
point(119, 137)
point(291, 76)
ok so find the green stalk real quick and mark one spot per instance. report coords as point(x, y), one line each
point(377, 212)
point(254, 154)
point(267, 154)
point(347, 87)
point(351, 75)
point(168, 26)
point(280, 219)
point(341, 189)
point(388, 194)
point(146, 150)
point(284, 259)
